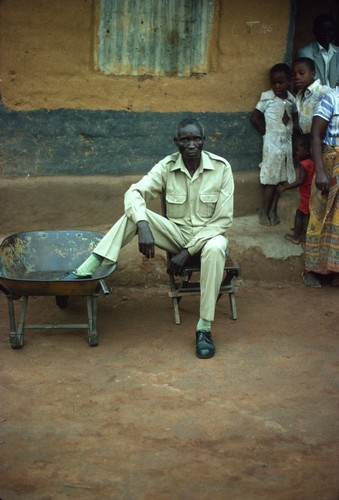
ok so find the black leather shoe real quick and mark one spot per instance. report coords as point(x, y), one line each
point(204, 344)
point(71, 276)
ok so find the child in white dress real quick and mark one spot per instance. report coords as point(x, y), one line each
point(273, 117)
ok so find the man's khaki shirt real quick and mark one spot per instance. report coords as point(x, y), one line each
point(201, 205)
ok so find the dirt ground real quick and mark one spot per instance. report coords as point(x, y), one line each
point(140, 417)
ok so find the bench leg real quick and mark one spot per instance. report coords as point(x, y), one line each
point(233, 305)
point(175, 302)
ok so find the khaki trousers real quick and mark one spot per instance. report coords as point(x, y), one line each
point(168, 236)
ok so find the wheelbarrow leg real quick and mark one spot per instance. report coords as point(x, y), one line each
point(16, 336)
point(92, 309)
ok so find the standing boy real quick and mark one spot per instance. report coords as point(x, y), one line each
point(309, 91)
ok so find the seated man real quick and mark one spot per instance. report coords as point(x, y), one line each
point(199, 203)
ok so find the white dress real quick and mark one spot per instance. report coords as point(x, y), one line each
point(277, 157)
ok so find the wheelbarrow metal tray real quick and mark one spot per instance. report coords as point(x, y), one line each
point(34, 262)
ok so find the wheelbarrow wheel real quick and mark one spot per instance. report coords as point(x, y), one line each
point(62, 301)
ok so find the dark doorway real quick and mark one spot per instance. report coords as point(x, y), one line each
point(306, 11)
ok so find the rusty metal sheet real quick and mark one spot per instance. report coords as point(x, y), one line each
point(154, 37)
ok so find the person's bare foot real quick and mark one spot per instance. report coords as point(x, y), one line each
point(292, 239)
point(274, 219)
point(310, 280)
point(264, 219)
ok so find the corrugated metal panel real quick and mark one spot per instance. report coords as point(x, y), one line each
point(154, 37)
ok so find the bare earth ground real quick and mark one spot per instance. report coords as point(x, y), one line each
point(140, 417)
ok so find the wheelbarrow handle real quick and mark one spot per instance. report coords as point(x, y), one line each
point(104, 288)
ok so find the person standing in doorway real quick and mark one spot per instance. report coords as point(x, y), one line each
point(323, 51)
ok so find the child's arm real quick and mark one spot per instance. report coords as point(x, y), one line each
point(258, 120)
point(302, 176)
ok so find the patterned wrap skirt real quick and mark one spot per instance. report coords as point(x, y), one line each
point(322, 238)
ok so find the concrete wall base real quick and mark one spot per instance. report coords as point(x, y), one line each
point(95, 202)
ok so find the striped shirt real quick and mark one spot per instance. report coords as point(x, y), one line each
point(328, 109)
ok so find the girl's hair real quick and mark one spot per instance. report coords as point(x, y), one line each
point(306, 60)
point(281, 68)
point(304, 140)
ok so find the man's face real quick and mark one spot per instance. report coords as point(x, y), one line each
point(190, 142)
point(325, 33)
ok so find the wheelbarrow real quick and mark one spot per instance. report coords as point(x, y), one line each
point(33, 264)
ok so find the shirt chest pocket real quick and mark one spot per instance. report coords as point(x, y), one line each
point(207, 204)
point(175, 205)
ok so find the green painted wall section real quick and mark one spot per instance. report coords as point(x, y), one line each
point(67, 141)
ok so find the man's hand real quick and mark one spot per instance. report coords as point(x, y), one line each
point(146, 240)
point(177, 263)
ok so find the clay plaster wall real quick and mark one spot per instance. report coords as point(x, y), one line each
point(59, 115)
point(47, 61)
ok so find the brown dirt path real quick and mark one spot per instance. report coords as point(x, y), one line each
point(140, 417)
